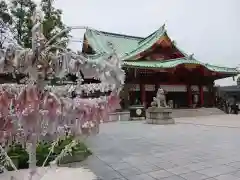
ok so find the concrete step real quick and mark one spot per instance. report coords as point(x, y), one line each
point(177, 113)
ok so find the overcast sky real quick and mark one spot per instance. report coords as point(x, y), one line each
point(208, 28)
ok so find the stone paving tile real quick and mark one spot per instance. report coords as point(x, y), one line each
point(223, 161)
point(145, 168)
point(99, 178)
point(121, 165)
point(235, 164)
point(160, 174)
point(217, 170)
point(236, 173)
point(141, 177)
point(129, 172)
point(135, 160)
point(181, 162)
point(179, 170)
point(227, 177)
point(99, 168)
point(110, 175)
point(165, 165)
point(154, 160)
point(173, 178)
point(109, 159)
point(198, 166)
point(194, 176)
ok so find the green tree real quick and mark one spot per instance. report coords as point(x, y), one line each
point(5, 21)
point(4, 12)
point(53, 24)
point(22, 11)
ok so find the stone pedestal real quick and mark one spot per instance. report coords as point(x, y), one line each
point(161, 115)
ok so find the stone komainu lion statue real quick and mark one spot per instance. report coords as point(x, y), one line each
point(160, 99)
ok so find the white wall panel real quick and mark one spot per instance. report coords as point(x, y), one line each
point(174, 88)
point(194, 88)
point(149, 87)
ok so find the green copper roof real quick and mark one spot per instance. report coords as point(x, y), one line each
point(175, 62)
point(127, 47)
point(122, 44)
point(145, 44)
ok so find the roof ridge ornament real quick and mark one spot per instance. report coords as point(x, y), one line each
point(190, 57)
point(164, 26)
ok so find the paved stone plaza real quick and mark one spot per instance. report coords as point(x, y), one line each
point(192, 149)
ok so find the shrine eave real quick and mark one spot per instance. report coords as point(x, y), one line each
point(127, 47)
point(172, 63)
point(145, 44)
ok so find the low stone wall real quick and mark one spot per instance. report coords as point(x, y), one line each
point(119, 116)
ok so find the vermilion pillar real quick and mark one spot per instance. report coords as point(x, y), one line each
point(157, 86)
point(201, 96)
point(143, 94)
point(189, 92)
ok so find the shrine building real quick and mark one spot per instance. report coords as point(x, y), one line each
point(156, 61)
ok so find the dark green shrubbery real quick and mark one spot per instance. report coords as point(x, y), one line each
point(16, 152)
point(19, 154)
